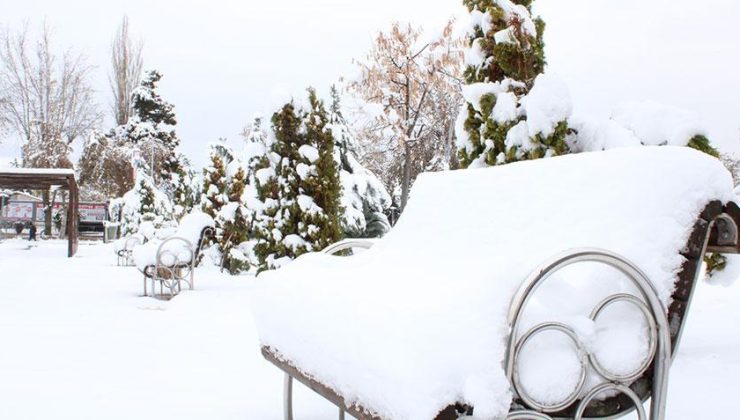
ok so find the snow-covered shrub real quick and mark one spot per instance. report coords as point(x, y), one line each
point(262, 195)
point(512, 111)
point(232, 222)
point(213, 195)
point(364, 198)
point(297, 186)
point(645, 123)
point(186, 188)
point(144, 203)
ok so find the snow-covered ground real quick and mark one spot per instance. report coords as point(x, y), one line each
point(77, 342)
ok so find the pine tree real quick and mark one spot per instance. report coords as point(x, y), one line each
point(151, 129)
point(186, 188)
point(505, 61)
point(364, 197)
point(213, 195)
point(298, 186)
point(288, 140)
point(319, 188)
point(262, 195)
point(233, 223)
point(144, 203)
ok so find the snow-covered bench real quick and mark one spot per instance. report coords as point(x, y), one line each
point(172, 261)
point(124, 248)
point(548, 289)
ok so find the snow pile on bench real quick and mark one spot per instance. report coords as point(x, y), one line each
point(190, 228)
point(419, 321)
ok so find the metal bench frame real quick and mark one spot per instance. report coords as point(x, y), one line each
point(716, 230)
point(171, 276)
point(125, 256)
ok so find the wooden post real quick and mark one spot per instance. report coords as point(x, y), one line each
point(72, 212)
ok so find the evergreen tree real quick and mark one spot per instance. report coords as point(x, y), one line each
point(262, 195)
point(505, 60)
point(287, 244)
point(233, 223)
point(144, 203)
point(186, 188)
point(214, 192)
point(319, 188)
point(151, 130)
point(296, 185)
point(364, 197)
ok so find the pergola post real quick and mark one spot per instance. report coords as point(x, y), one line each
point(44, 179)
point(72, 212)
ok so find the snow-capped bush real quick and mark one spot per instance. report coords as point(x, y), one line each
point(144, 203)
point(512, 111)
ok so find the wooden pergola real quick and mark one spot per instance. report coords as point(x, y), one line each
point(44, 179)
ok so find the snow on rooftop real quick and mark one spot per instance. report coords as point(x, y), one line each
point(36, 171)
point(419, 321)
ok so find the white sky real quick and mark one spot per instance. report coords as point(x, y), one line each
point(224, 60)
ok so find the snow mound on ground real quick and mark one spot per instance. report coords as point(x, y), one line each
point(419, 321)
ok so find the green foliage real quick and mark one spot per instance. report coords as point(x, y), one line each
point(214, 180)
point(362, 191)
point(301, 199)
point(522, 60)
point(186, 193)
point(148, 105)
point(320, 228)
point(151, 205)
point(513, 63)
point(233, 225)
point(702, 144)
point(151, 127)
point(715, 263)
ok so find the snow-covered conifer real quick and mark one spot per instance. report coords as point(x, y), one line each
point(144, 203)
point(214, 194)
point(319, 190)
point(186, 189)
point(151, 129)
point(284, 242)
point(512, 111)
point(297, 184)
point(364, 197)
point(262, 195)
point(232, 222)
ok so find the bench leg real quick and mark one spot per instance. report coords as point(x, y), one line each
point(288, 397)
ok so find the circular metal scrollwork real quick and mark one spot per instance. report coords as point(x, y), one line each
point(653, 338)
point(583, 359)
point(610, 387)
point(527, 415)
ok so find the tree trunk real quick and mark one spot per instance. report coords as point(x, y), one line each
point(406, 181)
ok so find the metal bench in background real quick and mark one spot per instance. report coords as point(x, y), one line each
point(125, 255)
point(174, 264)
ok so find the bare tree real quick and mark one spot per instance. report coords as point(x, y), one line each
point(47, 101)
point(127, 63)
point(413, 86)
point(47, 98)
